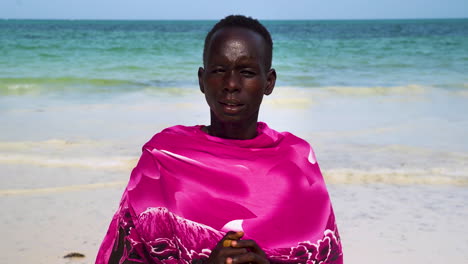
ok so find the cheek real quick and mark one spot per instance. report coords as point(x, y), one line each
point(211, 97)
point(212, 84)
point(255, 90)
point(209, 84)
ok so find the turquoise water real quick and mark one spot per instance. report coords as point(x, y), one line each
point(120, 56)
point(380, 100)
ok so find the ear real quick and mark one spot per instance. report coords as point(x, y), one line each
point(271, 80)
point(201, 72)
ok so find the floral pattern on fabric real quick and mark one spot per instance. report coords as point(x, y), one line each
point(182, 246)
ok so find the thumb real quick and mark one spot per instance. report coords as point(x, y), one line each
point(231, 236)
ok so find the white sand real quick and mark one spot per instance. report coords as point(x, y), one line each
point(400, 183)
point(402, 224)
point(379, 223)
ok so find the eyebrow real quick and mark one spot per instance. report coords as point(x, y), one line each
point(242, 60)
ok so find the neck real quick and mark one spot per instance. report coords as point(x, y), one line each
point(233, 130)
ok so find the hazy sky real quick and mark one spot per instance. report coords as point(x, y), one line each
point(207, 9)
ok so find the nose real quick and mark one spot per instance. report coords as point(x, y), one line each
point(231, 82)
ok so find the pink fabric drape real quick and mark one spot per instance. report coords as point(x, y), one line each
point(190, 188)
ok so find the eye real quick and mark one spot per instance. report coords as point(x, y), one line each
point(217, 70)
point(248, 73)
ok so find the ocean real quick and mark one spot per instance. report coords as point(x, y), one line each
point(380, 100)
point(40, 56)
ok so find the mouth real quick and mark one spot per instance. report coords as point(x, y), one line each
point(231, 107)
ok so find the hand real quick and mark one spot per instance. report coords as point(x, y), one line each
point(231, 250)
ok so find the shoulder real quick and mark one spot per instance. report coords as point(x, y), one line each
point(297, 145)
point(173, 133)
point(284, 135)
point(286, 138)
point(180, 130)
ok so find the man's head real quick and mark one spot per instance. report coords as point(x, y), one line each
point(242, 22)
point(237, 74)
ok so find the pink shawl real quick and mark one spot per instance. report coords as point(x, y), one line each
point(190, 188)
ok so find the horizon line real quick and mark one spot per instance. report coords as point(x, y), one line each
point(198, 19)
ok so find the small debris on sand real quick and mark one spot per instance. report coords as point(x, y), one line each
point(74, 255)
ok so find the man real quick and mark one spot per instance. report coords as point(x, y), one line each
point(235, 191)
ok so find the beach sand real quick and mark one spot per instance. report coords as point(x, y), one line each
point(398, 196)
point(379, 223)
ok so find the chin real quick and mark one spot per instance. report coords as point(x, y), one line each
point(231, 119)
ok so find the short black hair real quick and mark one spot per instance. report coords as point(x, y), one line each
point(242, 22)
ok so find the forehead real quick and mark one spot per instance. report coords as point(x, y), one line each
point(230, 39)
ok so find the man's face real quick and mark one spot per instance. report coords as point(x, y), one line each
point(235, 77)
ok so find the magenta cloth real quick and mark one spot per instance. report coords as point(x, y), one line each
point(190, 188)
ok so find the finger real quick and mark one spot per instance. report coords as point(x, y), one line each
point(248, 243)
point(249, 257)
point(231, 236)
point(234, 235)
point(227, 242)
point(230, 252)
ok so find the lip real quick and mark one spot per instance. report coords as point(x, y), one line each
point(231, 106)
